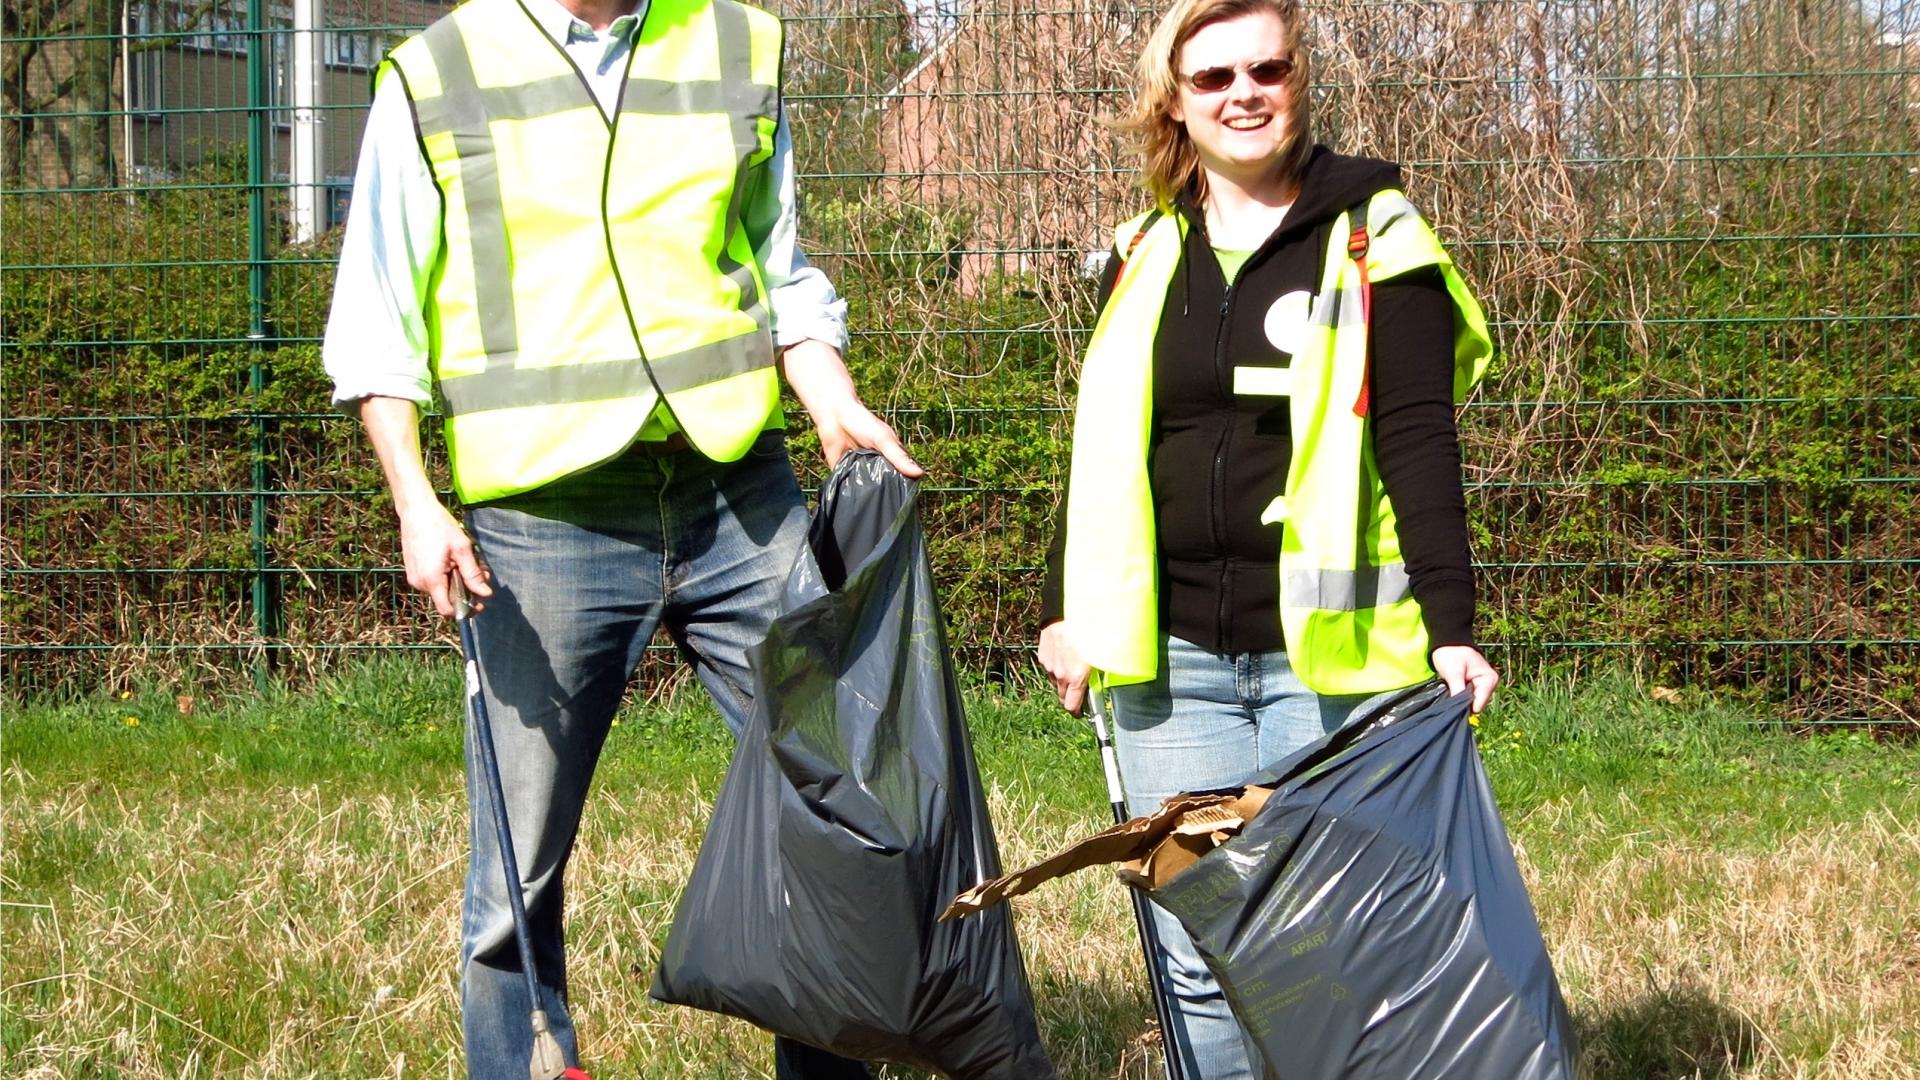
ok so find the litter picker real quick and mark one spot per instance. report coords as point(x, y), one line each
point(549, 1062)
point(1142, 916)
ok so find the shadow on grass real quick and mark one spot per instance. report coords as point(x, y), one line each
point(1667, 1034)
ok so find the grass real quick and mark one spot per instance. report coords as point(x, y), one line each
point(269, 887)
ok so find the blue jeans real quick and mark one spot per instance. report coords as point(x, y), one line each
point(584, 570)
point(1211, 720)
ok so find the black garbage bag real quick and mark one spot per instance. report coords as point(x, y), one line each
point(851, 812)
point(1370, 920)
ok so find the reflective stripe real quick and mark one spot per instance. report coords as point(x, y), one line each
point(1348, 590)
point(1332, 311)
point(550, 96)
point(1390, 207)
point(736, 69)
point(462, 109)
point(568, 384)
point(737, 90)
point(558, 94)
point(750, 302)
point(658, 97)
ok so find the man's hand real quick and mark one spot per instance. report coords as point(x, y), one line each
point(433, 547)
point(432, 543)
point(1062, 661)
point(1461, 667)
point(854, 426)
point(819, 379)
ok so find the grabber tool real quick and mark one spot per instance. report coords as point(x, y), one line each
point(549, 1061)
point(1142, 914)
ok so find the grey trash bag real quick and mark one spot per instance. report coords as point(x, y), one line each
point(851, 812)
point(1370, 920)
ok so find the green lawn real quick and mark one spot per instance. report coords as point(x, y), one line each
point(269, 886)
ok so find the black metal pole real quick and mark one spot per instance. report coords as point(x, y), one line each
point(1142, 915)
point(549, 1062)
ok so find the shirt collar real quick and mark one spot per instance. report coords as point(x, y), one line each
point(554, 19)
point(563, 26)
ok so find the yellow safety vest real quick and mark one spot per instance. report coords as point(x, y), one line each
point(591, 266)
point(1347, 612)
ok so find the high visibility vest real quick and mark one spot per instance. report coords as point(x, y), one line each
point(590, 266)
point(1347, 612)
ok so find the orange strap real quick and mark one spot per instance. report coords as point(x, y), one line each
point(1357, 243)
point(1134, 243)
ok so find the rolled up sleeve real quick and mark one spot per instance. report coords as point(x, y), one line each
point(804, 304)
point(376, 343)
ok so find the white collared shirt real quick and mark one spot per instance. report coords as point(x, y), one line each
point(376, 341)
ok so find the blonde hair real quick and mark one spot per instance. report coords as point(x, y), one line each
point(1169, 164)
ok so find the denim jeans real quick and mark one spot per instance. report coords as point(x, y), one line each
point(584, 570)
point(1211, 720)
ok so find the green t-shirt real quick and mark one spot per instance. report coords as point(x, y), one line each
point(1231, 262)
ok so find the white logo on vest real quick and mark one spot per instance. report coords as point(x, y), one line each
point(1287, 321)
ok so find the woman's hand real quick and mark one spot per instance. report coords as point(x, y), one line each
point(1062, 661)
point(1462, 667)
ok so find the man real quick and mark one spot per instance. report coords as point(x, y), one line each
point(574, 220)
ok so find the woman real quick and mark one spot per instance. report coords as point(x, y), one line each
point(1265, 529)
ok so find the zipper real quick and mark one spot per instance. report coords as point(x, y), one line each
point(1222, 382)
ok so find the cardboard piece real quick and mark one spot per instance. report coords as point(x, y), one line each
point(1151, 850)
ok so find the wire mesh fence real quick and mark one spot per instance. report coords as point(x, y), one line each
point(1695, 223)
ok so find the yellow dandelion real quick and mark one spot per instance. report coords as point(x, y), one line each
point(125, 694)
point(133, 721)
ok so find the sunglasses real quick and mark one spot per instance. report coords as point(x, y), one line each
point(1212, 80)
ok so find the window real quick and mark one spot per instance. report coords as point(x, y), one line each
point(220, 31)
point(144, 55)
point(354, 50)
point(280, 79)
point(339, 195)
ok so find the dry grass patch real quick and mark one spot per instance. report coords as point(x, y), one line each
point(277, 895)
point(1683, 958)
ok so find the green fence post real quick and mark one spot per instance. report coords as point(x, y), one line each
point(265, 612)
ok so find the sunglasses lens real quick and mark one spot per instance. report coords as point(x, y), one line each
point(1270, 72)
point(1215, 79)
point(1211, 80)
